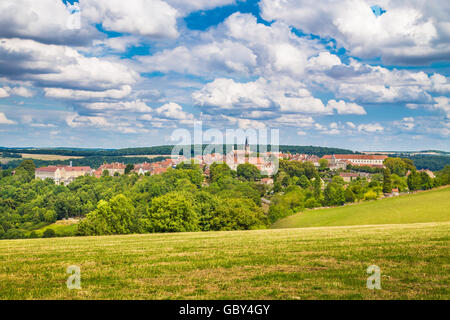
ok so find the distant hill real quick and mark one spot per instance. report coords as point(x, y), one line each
point(160, 150)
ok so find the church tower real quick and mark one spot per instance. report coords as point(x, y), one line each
point(247, 147)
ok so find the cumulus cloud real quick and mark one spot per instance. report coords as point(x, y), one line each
point(215, 57)
point(172, 110)
point(3, 93)
point(17, 91)
point(46, 21)
point(284, 94)
point(370, 128)
point(442, 104)
point(5, 120)
point(148, 18)
point(60, 66)
point(343, 107)
point(403, 34)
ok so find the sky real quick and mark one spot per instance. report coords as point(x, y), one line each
point(356, 74)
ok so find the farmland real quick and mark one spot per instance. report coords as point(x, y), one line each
point(309, 263)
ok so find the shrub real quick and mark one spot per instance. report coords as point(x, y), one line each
point(49, 233)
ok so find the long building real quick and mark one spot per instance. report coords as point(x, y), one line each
point(62, 174)
point(358, 159)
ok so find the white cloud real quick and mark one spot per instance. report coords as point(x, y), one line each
point(225, 56)
point(284, 94)
point(5, 120)
point(76, 121)
point(407, 123)
point(294, 120)
point(186, 7)
point(408, 32)
point(70, 94)
point(130, 106)
point(246, 123)
point(61, 66)
point(149, 18)
point(228, 94)
point(174, 111)
point(343, 107)
point(323, 61)
point(350, 124)
point(17, 91)
point(370, 128)
point(47, 21)
point(443, 104)
point(3, 93)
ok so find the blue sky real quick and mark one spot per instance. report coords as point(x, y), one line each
point(112, 74)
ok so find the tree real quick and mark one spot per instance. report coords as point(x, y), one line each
point(413, 181)
point(443, 176)
point(303, 182)
point(387, 182)
point(248, 171)
point(349, 195)
point(218, 170)
point(129, 168)
point(238, 214)
point(425, 181)
point(116, 216)
point(172, 212)
point(29, 167)
point(323, 164)
point(334, 194)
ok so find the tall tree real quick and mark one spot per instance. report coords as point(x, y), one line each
point(387, 181)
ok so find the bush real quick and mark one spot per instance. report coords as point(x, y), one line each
point(49, 233)
point(370, 195)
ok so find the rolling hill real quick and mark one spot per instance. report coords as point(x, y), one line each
point(426, 206)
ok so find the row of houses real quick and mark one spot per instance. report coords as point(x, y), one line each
point(63, 174)
point(266, 163)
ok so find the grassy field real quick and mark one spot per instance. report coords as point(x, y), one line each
point(427, 206)
point(47, 157)
point(309, 263)
point(61, 227)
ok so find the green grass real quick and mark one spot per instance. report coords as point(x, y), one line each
point(62, 230)
point(309, 263)
point(427, 206)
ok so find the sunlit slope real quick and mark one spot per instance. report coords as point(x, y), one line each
point(428, 206)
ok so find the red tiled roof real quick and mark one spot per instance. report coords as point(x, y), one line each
point(77, 168)
point(348, 174)
point(112, 166)
point(47, 169)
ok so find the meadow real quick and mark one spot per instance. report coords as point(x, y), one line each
point(423, 206)
point(308, 263)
